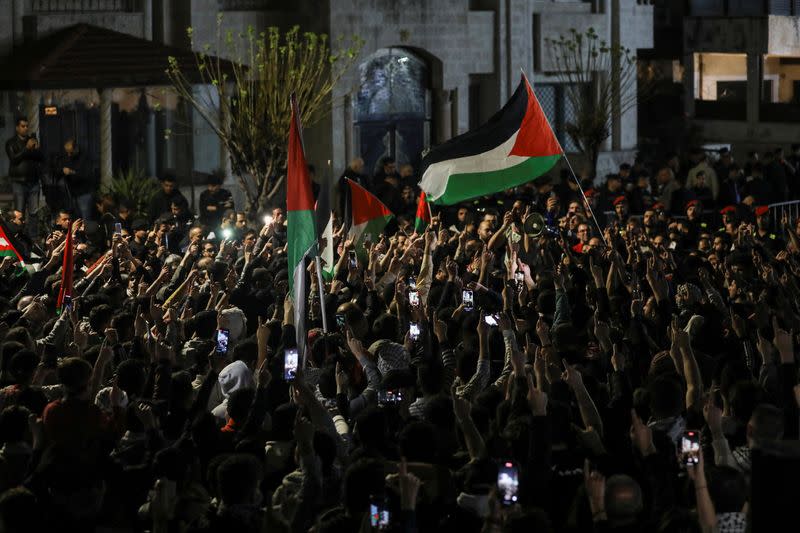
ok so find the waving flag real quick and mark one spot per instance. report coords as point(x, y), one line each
point(515, 146)
point(423, 219)
point(369, 217)
point(7, 248)
point(300, 226)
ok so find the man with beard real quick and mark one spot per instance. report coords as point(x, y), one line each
point(650, 222)
point(620, 204)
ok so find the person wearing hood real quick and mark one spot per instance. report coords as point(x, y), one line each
point(233, 377)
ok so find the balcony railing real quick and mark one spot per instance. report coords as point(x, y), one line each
point(86, 6)
point(779, 112)
point(720, 110)
point(744, 8)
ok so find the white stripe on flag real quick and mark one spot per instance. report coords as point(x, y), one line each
point(434, 181)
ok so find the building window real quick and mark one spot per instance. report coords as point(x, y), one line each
point(558, 108)
point(720, 86)
point(392, 110)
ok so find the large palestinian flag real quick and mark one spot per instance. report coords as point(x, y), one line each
point(300, 223)
point(515, 146)
point(368, 218)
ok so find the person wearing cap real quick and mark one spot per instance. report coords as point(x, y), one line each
point(728, 216)
point(591, 199)
point(214, 201)
point(620, 204)
point(694, 220)
point(764, 231)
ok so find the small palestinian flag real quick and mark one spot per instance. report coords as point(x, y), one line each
point(7, 247)
point(369, 218)
point(515, 146)
point(423, 214)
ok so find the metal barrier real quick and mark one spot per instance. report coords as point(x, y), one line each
point(776, 212)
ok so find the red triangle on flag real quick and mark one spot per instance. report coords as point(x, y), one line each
point(535, 137)
point(365, 205)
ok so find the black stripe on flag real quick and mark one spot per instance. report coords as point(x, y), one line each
point(497, 130)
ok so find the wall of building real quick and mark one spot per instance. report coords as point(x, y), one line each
point(461, 40)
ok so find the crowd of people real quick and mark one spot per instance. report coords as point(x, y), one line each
point(474, 377)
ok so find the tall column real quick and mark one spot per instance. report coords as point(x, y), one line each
point(19, 15)
point(753, 87)
point(106, 168)
point(147, 19)
point(444, 117)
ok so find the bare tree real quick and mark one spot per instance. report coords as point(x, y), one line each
point(246, 100)
point(600, 82)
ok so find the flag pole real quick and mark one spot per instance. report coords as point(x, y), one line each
point(585, 200)
point(569, 165)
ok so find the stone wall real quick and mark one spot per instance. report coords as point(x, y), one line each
point(460, 40)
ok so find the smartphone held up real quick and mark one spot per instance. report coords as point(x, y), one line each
point(222, 341)
point(508, 483)
point(290, 363)
point(690, 447)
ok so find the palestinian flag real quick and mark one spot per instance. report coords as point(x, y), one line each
point(369, 218)
point(423, 219)
point(300, 223)
point(67, 271)
point(514, 147)
point(7, 248)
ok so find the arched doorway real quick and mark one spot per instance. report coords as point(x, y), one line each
point(392, 110)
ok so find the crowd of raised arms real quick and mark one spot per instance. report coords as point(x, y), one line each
point(474, 377)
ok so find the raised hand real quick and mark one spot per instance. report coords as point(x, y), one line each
point(537, 398)
point(641, 435)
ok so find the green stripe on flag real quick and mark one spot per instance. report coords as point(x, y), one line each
point(368, 231)
point(300, 231)
point(462, 187)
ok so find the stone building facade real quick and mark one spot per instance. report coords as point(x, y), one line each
point(429, 69)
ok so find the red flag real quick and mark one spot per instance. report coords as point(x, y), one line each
point(423, 214)
point(67, 269)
